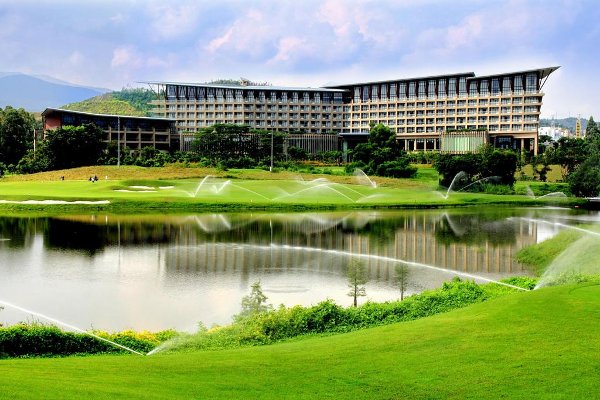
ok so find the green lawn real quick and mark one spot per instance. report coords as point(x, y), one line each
point(540, 344)
point(307, 192)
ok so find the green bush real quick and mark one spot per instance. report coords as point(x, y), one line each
point(34, 340)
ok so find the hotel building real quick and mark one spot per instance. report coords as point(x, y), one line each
point(453, 113)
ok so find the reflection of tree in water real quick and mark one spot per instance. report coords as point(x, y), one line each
point(18, 232)
point(474, 229)
point(70, 235)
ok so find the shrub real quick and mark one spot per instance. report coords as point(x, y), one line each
point(27, 340)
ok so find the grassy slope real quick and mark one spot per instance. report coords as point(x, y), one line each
point(541, 344)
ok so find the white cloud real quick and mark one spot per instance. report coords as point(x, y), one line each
point(288, 48)
point(125, 56)
point(172, 20)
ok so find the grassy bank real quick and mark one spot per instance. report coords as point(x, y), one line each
point(519, 346)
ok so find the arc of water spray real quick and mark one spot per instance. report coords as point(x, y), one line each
point(37, 314)
point(561, 225)
point(385, 258)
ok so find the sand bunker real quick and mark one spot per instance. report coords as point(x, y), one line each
point(51, 202)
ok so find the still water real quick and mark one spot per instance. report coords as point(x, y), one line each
point(172, 271)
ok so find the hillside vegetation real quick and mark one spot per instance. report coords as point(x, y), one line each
point(124, 102)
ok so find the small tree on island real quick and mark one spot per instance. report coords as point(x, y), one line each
point(254, 303)
point(357, 277)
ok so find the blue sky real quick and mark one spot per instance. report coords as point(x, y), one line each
point(114, 44)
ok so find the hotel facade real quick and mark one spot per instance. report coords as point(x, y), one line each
point(453, 113)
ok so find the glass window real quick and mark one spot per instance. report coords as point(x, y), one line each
point(412, 88)
point(422, 89)
point(383, 92)
point(462, 86)
point(356, 94)
point(531, 83)
point(495, 86)
point(393, 91)
point(441, 88)
point(506, 89)
point(374, 92)
point(402, 91)
point(483, 88)
point(431, 88)
point(472, 88)
point(452, 87)
point(518, 84)
point(365, 93)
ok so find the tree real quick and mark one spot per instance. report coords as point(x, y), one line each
point(382, 155)
point(74, 146)
point(254, 303)
point(402, 278)
point(486, 163)
point(592, 131)
point(16, 134)
point(569, 154)
point(357, 277)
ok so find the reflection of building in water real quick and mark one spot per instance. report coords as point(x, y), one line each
point(460, 243)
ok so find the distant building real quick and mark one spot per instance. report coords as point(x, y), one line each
point(554, 132)
point(132, 132)
point(453, 113)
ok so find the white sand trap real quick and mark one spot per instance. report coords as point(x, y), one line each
point(142, 187)
point(135, 191)
point(50, 202)
point(166, 187)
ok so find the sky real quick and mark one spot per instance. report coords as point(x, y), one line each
point(115, 44)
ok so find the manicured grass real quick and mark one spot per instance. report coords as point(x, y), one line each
point(540, 255)
point(540, 344)
point(147, 188)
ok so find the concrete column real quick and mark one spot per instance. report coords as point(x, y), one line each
point(535, 146)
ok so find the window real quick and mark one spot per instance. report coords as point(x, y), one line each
point(473, 88)
point(462, 86)
point(518, 84)
point(495, 87)
point(452, 87)
point(531, 83)
point(441, 88)
point(402, 91)
point(374, 92)
point(365, 93)
point(412, 87)
point(356, 94)
point(431, 88)
point(422, 89)
point(383, 92)
point(506, 89)
point(393, 92)
point(483, 88)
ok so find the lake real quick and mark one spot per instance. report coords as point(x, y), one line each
point(153, 272)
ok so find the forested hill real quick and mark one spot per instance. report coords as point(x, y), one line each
point(124, 102)
point(568, 123)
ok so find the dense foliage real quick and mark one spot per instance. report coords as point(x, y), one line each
point(16, 135)
point(584, 180)
point(27, 340)
point(284, 323)
point(237, 146)
point(493, 165)
point(382, 156)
